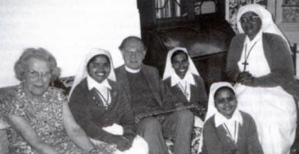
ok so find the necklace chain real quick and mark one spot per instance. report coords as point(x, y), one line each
point(106, 102)
point(246, 56)
point(184, 90)
point(228, 133)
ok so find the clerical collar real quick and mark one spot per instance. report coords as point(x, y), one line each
point(188, 78)
point(220, 119)
point(91, 83)
point(132, 70)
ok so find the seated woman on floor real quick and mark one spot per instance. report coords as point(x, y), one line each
point(101, 107)
point(227, 130)
point(38, 115)
point(186, 84)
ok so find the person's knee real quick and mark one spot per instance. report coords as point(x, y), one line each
point(149, 125)
point(185, 115)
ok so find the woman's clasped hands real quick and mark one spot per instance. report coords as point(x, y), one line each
point(245, 78)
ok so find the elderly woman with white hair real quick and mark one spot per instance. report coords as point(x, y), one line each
point(259, 61)
point(39, 118)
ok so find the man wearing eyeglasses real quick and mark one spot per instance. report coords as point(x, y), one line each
point(148, 97)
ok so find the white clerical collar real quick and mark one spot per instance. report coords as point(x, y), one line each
point(188, 78)
point(91, 83)
point(220, 119)
point(132, 70)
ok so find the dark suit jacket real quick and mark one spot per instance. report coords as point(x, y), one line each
point(90, 113)
point(215, 140)
point(160, 91)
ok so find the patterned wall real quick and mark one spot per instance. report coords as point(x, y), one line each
point(290, 11)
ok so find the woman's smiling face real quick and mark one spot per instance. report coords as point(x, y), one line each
point(99, 68)
point(251, 24)
point(180, 64)
point(225, 102)
point(37, 77)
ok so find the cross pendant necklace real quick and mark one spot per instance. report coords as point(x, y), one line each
point(184, 90)
point(236, 131)
point(105, 101)
point(245, 63)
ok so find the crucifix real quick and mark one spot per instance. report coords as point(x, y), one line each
point(245, 64)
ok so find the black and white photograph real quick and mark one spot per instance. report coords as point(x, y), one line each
point(149, 77)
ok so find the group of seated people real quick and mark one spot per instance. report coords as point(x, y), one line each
point(131, 110)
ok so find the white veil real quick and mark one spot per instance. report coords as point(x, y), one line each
point(82, 71)
point(211, 104)
point(169, 71)
point(268, 25)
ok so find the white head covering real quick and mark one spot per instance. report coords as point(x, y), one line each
point(268, 26)
point(211, 104)
point(82, 71)
point(231, 125)
point(169, 71)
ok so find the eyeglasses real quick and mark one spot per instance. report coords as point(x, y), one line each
point(249, 19)
point(35, 74)
point(224, 100)
point(133, 53)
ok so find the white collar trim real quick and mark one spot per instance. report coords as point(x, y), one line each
point(91, 83)
point(132, 70)
point(175, 79)
point(220, 119)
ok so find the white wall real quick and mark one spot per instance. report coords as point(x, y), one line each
point(67, 28)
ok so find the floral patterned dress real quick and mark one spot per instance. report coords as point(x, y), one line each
point(44, 116)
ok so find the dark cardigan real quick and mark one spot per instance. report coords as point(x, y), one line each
point(278, 56)
point(215, 140)
point(198, 93)
point(89, 112)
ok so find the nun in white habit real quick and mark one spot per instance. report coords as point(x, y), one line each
point(259, 61)
point(186, 84)
point(227, 130)
point(182, 76)
point(101, 107)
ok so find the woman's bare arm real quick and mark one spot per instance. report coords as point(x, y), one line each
point(29, 134)
point(74, 131)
